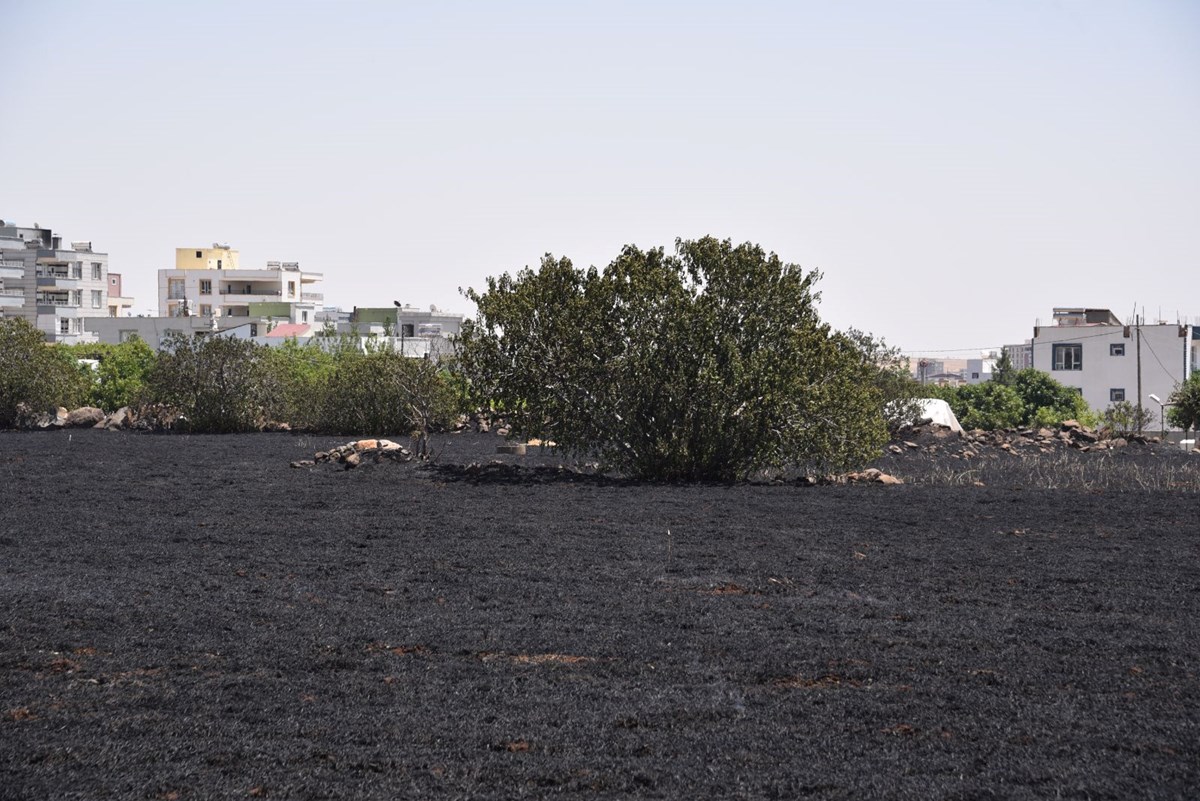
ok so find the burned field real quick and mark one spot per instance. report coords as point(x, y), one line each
point(188, 617)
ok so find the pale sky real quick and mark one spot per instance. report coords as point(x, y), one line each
point(955, 169)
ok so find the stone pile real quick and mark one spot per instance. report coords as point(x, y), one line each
point(933, 439)
point(29, 419)
point(362, 451)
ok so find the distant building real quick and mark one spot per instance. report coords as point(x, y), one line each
point(1021, 356)
point(55, 288)
point(1093, 351)
point(979, 370)
point(208, 282)
point(118, 304)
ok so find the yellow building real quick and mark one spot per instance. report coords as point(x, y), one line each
point(218, 257)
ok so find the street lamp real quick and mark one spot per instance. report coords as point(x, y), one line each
point(399, 328)
point(1161, 414)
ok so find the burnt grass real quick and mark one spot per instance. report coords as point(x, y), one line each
point(187, 617)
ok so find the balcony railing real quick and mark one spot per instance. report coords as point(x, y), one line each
point(43, 300)
point(266, 293)
point(312, 296)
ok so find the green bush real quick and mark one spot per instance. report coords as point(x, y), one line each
point(121, 376)
point(302, 374)
point(218, 383)
point(1124, 419)
point(385, 393)
point(31, 372)
point(1184, 411)
point(899, 392)
point(987, 406)
point(711, 363)
point(1025, 398)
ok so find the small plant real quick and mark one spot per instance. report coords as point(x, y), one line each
point(1125, 419)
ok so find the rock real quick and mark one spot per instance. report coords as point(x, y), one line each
point(1084, 435)
point(908, 444)
point(1068, 425)
point(85, 416)
point(303, 463)
point(515, 449)
point(352, 461)
point(275, 425)
point(388, 445)
point(365, 444)
point(118, 419)
point(60, 418)
point(884, 478)
point(895, 449)
point(503, 431)
point(1044, 433)
point(1119, 442)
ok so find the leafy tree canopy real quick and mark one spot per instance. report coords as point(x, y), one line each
point(708, 363)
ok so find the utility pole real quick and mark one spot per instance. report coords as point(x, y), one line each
point(1137, 324)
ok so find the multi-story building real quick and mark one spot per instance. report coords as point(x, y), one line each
point(208, 282)
point(1020, 356)
point(1092, 350)
point(58, 287)
point(118, 304)
point(980, 370)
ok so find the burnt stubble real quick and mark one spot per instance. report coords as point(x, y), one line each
point(188, 617)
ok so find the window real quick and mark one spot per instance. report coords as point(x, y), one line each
point(64, 325)
point(974, 375)
point(77, 297)
point(1068, 357)
point(1115, 395)
point(77, 269)
point(206, 287)
point(304, 317)
point(96, 271)
point(1116, 349)
point(253, 329)
point(218, 264)
point(97, 298)
point(291, 289)
point(175, 289)
point(205, 310)
point(199, 254)
point(406, 329)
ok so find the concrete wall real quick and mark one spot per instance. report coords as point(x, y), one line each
point(187, 258)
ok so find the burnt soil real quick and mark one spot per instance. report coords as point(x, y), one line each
point(187, 617)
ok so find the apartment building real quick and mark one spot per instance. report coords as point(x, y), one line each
point(53, 287)
point(118, 304)
point(209, 282)
point(1094, 351)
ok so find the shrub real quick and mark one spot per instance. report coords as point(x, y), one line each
point(988, 406)
point(383, 392)
point(301, 374)
point(218, 383)
point(711, 363)
point(1124, 419)
point(34, 373)
point(899, 393)
point(121, 376)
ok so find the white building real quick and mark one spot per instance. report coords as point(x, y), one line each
point(208, 282)
point(1092, 350)
point(980, 370)
point(52, 287)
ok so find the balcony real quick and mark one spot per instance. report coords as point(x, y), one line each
point(246, 294)
point(312, 296)
point(12, 297)
point(12, 269)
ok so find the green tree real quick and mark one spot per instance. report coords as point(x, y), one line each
point(121, 375)
point(1048, 402)
point(1003, 371)
point(34, 373)
point(987, 406)
point(1184, 411)
point(301, 374)
point(710, 363)
point(899, 392)
point(218, 383)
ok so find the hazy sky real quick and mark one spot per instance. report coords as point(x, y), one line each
point(955, 169)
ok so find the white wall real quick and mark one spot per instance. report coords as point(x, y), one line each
point(1163, 358)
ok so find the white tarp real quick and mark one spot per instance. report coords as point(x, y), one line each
point(940, 412)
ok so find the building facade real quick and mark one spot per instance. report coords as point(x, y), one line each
point(1104, 358)
point(118, 304)
point(209, 282)
point(55, 288)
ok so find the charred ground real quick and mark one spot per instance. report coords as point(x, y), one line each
point(188, 617)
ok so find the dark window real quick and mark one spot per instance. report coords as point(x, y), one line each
point(1068, 357)
point(1115, 395)
point(1117, 349)
point(974, 375)
point(253, 329)
point(406, 329)
point(199, 254)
